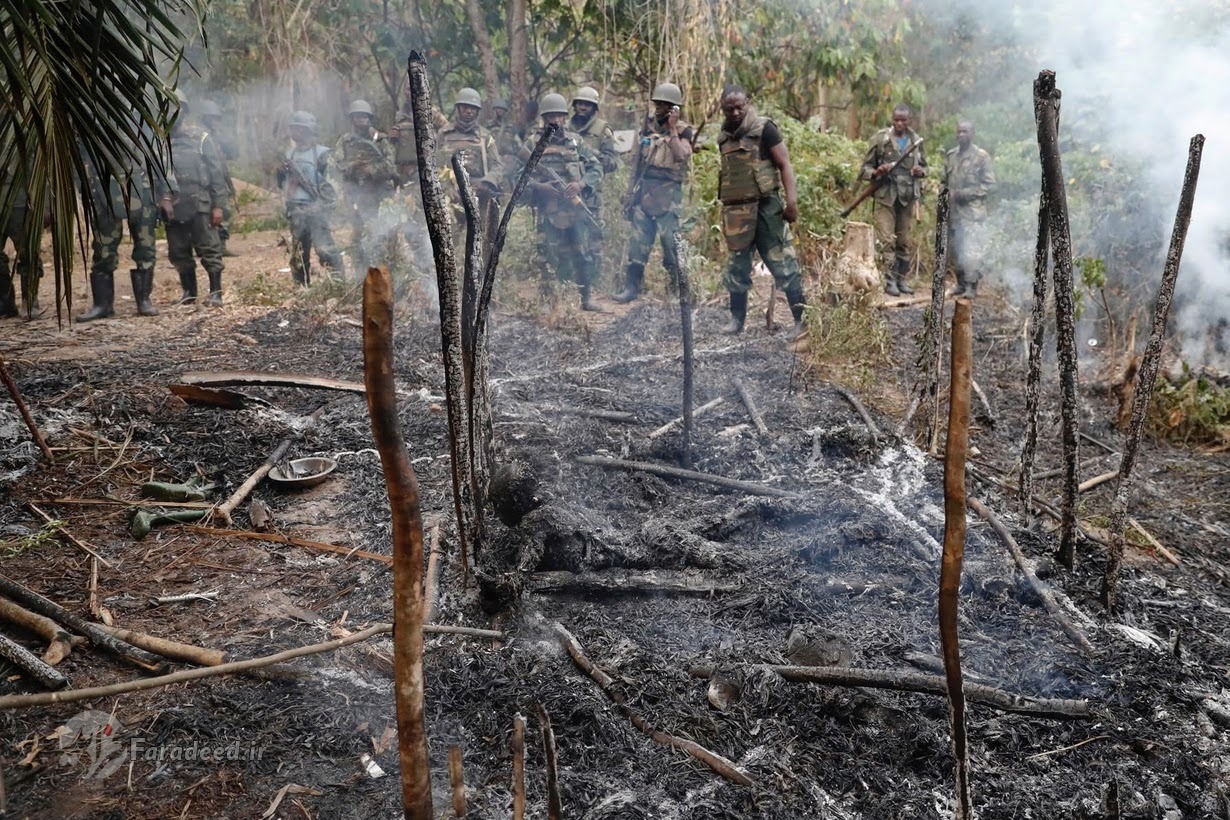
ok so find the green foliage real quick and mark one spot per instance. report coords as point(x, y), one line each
point(1191, 410)
point(848, 338)
point(265, 289)
point(1092, 272)
point(45, 535)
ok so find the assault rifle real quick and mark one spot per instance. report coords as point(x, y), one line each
point(878, 181)
point(562, 185)
point(295, 171)
point(369, 154)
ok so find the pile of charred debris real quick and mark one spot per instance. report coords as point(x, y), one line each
point(627, 582)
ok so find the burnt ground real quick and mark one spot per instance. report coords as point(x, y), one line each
point(845, 574)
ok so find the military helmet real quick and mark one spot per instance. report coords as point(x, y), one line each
point(667, 93)
point(552, 104)
point(468, 96)
point(209, 108)
point(304, 119)
point(360, 107)
point(586, 94)
point(500, 102)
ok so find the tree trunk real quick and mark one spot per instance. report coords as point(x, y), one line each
point(486, 56)
point(518, 71)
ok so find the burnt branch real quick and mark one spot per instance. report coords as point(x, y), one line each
point(1033, 377)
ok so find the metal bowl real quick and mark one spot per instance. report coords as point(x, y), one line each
point(302, 472)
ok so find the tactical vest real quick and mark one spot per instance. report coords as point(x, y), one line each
point(657, 159)
point(192, 176)
point(592, 133)
point(745, 177)
point(565, 160)
point(311, 162)
point(472, 145)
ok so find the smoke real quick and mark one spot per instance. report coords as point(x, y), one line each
point(1139, 79)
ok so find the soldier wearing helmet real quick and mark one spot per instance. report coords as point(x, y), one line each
point(599, 138)
point(210, 117)
point(479, 153)
point(364, 159)
point(508, 136)
point(566, 174)
point(660, 165)
point(306, 180)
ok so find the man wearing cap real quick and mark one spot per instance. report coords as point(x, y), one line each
point(567, 171)
point(197, 175)
point(306, 180)
point(599, 138)
point(479, 154)
point(210, 116)
point(365, 163)
point(660, 164)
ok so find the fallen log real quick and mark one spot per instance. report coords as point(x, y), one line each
point(226, 399)
point(719, 764)
point(752, 410)
point(60, 642)
point(594, 413)
point(675, 422)
point(42, 673)
point(1035, 583)
point(555, 806)
point(622, 582)
point(262, 379)
point(95, 635)
point(168, 649)
point(748, 487)
point(291, 541)
point(861, 410)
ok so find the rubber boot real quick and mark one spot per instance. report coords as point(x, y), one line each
point(142, 287)
point(971, 289)
point(215, 289)
point(634, 276)
point(8, 297)
point(903, 271)
point(961, 285)
point(738, 314)
point(890, 284)
point(797, 303)
point(187, 281)
point(102, 287)
point(587, 302)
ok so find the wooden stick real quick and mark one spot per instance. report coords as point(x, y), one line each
point(934, 334)
point(1033, 377)
point(685, 322)
point(518, 756)
point(1153, 542)
point(407, 523)
point(1097, 481)
point(686, 475)
point(168, 649)
point(752, 410)
point(623, 582)
point(225, 509)
point(1035, 583)
point(1149, 364)
point(956, 452)
point(236, 377)
point(59, 642)
point(861, 410)
point(982, 399)
point(719, 764)
point(94, 692)
point(1046, 115)
point(38, 671)
point(32, 600)
point(675, 422)
point(457, 780)
point(15, 393)
point(433, 575)
point(440, 233)
point(291, 541)
point(116, 502)
point(551, 760)
point(81, 545)
point(770, 319)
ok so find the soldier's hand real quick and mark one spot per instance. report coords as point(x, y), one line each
point(791, 212)
point(672, 119)
point(883, 169)
point(573, 190)
point(918, 171)
point(167, 205)
point(215, 217)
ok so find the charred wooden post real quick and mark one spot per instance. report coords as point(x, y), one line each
point(457, 781)
point(433, 574)
point(933, 346)
point(555, 809)
point(15, 393)
point(407, 540)
point(518, 775)
point(59, 642)
point(1055, 201)
point(956, 451)
point(1033, 376)
point(439, 230)
point(37, 670)
point(1149, 365)
point(685, 322)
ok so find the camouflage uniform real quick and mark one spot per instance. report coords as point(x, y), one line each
point(508, 143)
point(656, 197)
point(368, 172)
point(969, 179)
point(199, 173)
point(212, 123)
point(895, 200)
point(600, 139)
point(132, 201)
point(480, 155)
point(308, 211)
point(26, 269)
point(562, 223)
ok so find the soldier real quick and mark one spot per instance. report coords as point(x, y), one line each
point(565, 173)
point(365, 163)
point(757, 190)
point(305, 177)
point(897, 199)
point(969, 178)
point(25, 268)
point(211, 119)
point(655, 191)
point(479, 153)
point(199, 173)
point(129, 200)
point(600, 139)
point(507, 135)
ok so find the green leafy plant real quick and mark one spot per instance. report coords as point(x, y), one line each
point(44, 535)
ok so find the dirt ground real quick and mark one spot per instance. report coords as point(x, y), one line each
point(844, 573)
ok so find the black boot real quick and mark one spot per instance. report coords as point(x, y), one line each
point(738, 314)
point(102, 287)
point(8, 297)
point(903, 272)
point(587, 302)
point(961, 286)
point(971, 289)
point(797, 303)
point(215, 289)
point(187, 281)
point(634, 276)
point(890, 284)
point(142, 287)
